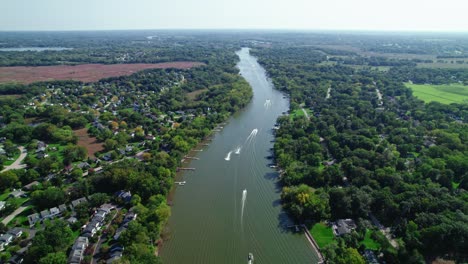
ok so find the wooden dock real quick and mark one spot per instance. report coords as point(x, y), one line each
point(185, 169)
point(193, 158)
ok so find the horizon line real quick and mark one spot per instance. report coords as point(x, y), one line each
point(247, 29)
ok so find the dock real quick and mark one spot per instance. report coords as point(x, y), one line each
point(185, 169)
point(193, 158)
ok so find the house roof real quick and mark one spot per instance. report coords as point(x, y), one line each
point(15, 231)
point(344, 226)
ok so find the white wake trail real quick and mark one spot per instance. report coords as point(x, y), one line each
point(228, 156)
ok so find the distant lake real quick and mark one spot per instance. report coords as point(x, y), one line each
point(35, 49)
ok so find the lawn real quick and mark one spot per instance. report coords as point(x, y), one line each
point(299, 113)
point(9, 162)
point(446, 94)
point(322, 234)
point(22, 219)
point(368, 242)
point(57, 153)
point(4, 196)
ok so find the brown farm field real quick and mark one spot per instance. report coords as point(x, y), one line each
point(90, 143)
point(82, 72)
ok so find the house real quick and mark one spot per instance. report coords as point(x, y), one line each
point(91, 229)
point(6, 239)
point(370, 257)
point(78, 201)
point(54, 211)
point(15, 232)
point(62, 208)
point(2, 205)
point(45, 214)
point(29, 186)
point(72, 220)
point(343, 226)
point(130, 216)
point(126, 196)
point(16, 259)
point(77, 252)
point(33, 219)
point(17, 194)
point(83, 165)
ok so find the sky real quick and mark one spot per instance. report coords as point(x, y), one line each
point(386, 15)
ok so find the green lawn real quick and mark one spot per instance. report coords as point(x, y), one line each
point(369, 243)
point(446, 94)
point(322, 234)
point(299, 113)
point(22, 219)
point(57, 153)
point(9, 162)
point(4, 196)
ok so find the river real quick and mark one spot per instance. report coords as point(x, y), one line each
point(230, 205)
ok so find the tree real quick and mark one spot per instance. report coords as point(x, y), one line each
point(8, 179)
point(48, 198)
point(72, 153)
point(55, 238)
point(54, 258)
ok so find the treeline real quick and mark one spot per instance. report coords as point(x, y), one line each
point(426, 75)
point(358, 156)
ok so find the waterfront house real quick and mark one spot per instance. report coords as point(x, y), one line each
point(343, 226)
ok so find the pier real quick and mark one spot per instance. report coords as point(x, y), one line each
point(193, 158)
point(185, 169)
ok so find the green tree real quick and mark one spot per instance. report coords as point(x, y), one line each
point(54, 258)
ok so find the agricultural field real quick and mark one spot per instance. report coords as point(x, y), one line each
point(446, 94)
point(82, 72)
point(90, 143)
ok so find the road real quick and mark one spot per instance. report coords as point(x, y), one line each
point(12, 215)
point(17, 164)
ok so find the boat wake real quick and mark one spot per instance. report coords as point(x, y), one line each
point(228, 156)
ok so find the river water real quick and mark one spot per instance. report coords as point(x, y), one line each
point(230, 205)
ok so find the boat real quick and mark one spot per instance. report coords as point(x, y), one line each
point(250, 258)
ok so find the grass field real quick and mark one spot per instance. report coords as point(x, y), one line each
point(446, 94)
point(322, 234)
point(368, 242)
point(299, 113)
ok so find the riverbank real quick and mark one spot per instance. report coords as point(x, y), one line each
point(230, 205)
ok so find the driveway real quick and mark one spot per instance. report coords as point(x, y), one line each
point(17, 164)
point(18, 211)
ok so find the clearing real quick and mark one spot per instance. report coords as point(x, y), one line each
point(82, 72)
point(90, 143)
point(445, 93)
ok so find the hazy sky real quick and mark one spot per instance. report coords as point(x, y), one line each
point(426, 15)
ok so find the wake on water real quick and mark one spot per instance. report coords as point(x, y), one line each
point(228, 156)
point(238, 150)
point(244, 197)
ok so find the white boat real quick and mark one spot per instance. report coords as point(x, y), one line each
point(250, 258)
